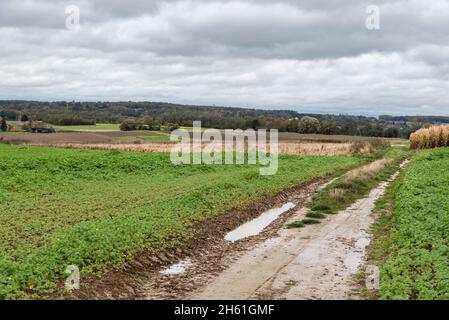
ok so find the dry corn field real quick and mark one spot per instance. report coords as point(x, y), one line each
point(433, 137)
point(306, 149)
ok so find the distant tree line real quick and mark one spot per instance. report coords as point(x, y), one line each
point(69, 120)
point(146, 123)
point(155, 115)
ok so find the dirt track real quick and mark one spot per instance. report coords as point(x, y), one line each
point(316, 262)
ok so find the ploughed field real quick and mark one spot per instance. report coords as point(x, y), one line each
point(84, 137)
point(97, 209)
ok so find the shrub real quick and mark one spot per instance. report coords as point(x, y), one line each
point(296, 224)
point(315, 215)
point(128, 125)
point(310, 221)
point(321, 207)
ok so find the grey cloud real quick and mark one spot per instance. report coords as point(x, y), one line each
point(312, 55)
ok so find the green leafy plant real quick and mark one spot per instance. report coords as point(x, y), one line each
point(98, 209)
point(418, 249)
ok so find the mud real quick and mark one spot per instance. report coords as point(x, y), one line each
point(257, 225)
point(177, 268)
point(316, 262)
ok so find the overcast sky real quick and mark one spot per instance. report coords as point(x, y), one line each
point(305, 55)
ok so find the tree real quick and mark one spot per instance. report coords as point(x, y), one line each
point(328, 127)
point(309, 125)
point(30, 124)
point(147, 122)
point(293, 125)
point(3, 125)
point(350, 128)
point(252, 123)
point(171, 126)
point(391, 132)
point(128, 125)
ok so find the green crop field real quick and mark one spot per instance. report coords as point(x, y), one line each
point(418, 251)
point(152, 137)
point(99, 127)
point(97, 209)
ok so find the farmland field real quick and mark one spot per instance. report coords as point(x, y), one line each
point(144, 138)
point(98, 209)
point(294, 136)
point(83, 137)
point(418, 250)
point(99, 127)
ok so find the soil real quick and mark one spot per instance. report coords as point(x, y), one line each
point(51, 138)
point(71, 137)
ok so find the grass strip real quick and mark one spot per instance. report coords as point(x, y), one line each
point(359, 182)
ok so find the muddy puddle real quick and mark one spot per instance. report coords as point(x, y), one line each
point(177, 268)
point(355, 258)
point(258, 224)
